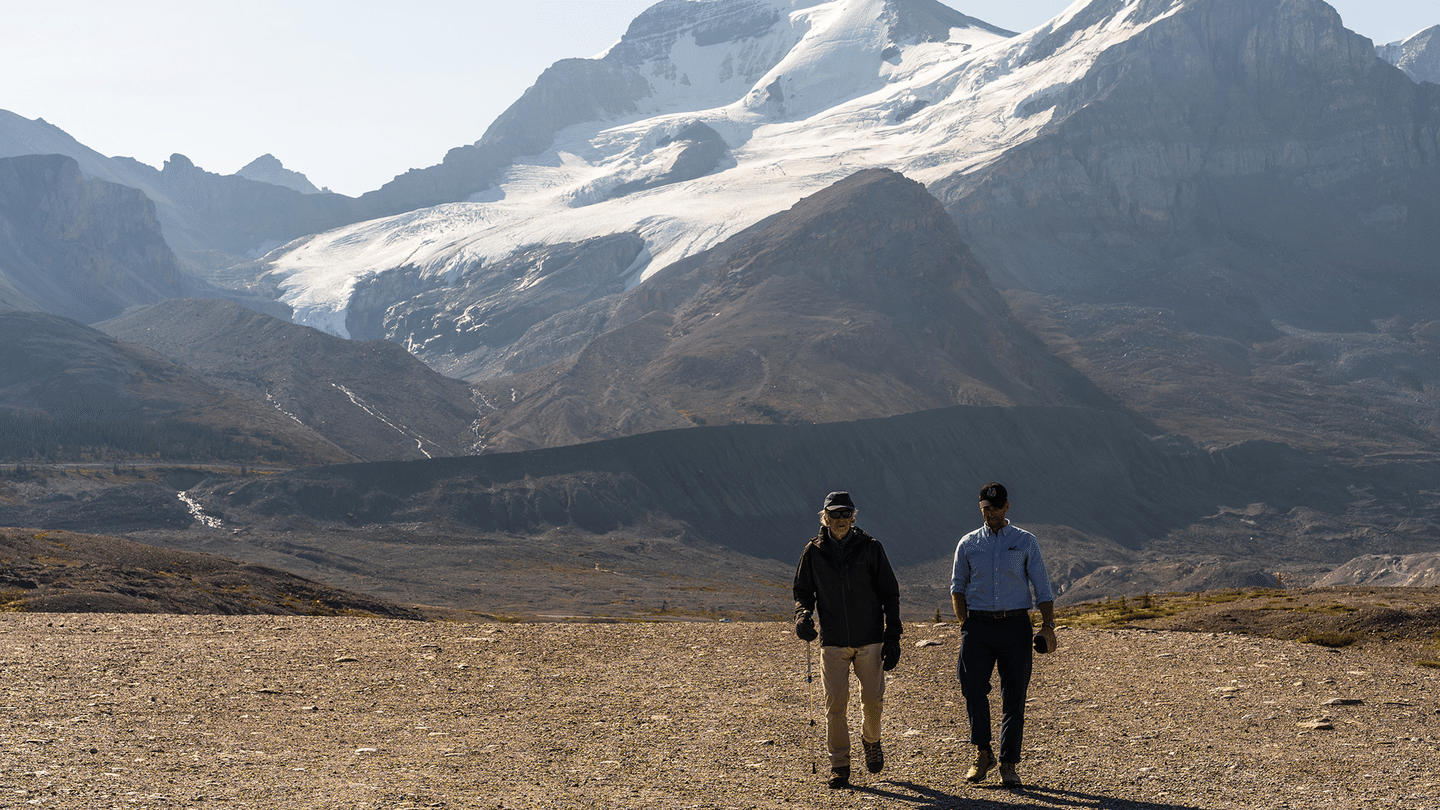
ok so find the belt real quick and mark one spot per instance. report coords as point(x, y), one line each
point(997, 614)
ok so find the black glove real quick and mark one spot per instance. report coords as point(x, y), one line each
point(805, 627)
point(890, 654)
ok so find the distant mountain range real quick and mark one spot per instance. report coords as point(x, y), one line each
point(1221, 214)
point(1209, 224)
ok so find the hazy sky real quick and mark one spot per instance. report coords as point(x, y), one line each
point(349, 92)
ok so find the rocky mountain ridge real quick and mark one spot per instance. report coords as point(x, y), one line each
point(85, 249)
point(212, 222)
point(859, 301)
point(268, 169)
point(72, 376)
point(372, 399)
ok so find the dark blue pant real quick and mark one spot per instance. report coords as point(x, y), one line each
point(987, 645)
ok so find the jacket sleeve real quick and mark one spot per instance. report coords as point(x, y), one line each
point(804, 588)
point(887, 589)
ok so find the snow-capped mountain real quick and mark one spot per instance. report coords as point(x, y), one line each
point(1008, 131)
point(800, 94)
point(1418, 55)
point(1215, 210)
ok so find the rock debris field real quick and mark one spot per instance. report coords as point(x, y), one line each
point(168, 711)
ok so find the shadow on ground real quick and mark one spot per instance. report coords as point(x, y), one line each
point(997, 797)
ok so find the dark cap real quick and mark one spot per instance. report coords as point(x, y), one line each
point(838, 500)
point(994, 495)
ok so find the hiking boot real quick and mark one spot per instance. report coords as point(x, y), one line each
point(984, 761)
point(874, 756)
point(1008, 776)
point(839, 778)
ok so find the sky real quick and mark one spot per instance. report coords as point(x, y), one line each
point(350, 93)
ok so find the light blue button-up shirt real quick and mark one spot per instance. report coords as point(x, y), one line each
point(994, 571)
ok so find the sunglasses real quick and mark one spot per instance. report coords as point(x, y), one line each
point(842, 514)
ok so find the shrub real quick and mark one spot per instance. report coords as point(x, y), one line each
point(1329, 639)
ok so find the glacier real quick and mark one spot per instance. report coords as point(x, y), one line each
point(829, 91)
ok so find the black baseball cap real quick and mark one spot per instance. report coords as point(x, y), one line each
point(994, 495)
point(838, 500)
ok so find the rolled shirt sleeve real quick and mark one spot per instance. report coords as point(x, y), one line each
point(1036, 573)
point(960, 576)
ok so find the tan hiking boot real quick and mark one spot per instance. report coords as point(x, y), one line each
point(984, 761)
point(874, 756)
point(1008, 776)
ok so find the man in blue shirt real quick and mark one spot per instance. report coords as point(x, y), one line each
point(995, 567)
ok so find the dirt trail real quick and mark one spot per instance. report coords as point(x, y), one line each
point(108, 710)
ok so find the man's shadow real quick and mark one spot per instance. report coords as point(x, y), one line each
point(994, 797)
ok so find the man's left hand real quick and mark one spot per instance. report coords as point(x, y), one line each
point(1050, 640)
point(890, 654)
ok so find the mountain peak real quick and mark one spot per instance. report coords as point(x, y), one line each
point(268, 169)
point(1418, 55)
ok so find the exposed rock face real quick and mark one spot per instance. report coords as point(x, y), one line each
point(698, 150)
point(534, 308)
point(1418, 56)
point(657, 29)
point(373, 399)
point(1389, 570)
point(82, 249)
point(929, 21)
point(241, 217)
point(268, 169)
point(1167, 577)
point(1228, 221)
point(1223, 127)
point(860, 301)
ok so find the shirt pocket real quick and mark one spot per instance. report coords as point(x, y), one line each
point(1012, 561)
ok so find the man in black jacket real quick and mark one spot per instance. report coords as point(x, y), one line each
point(844, 576)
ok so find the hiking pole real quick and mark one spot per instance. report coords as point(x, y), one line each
point(810, 698)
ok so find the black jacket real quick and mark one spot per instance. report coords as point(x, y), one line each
point(854, 592)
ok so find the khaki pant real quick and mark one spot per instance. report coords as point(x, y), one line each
point(835, 665)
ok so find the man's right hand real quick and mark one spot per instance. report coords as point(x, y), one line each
point(805, 628)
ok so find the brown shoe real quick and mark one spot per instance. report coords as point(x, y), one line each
point(984, 761)
point(839, 778)
point(874, 756)
point(1008, 776)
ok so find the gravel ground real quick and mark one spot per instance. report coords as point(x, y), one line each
point(164, 711)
